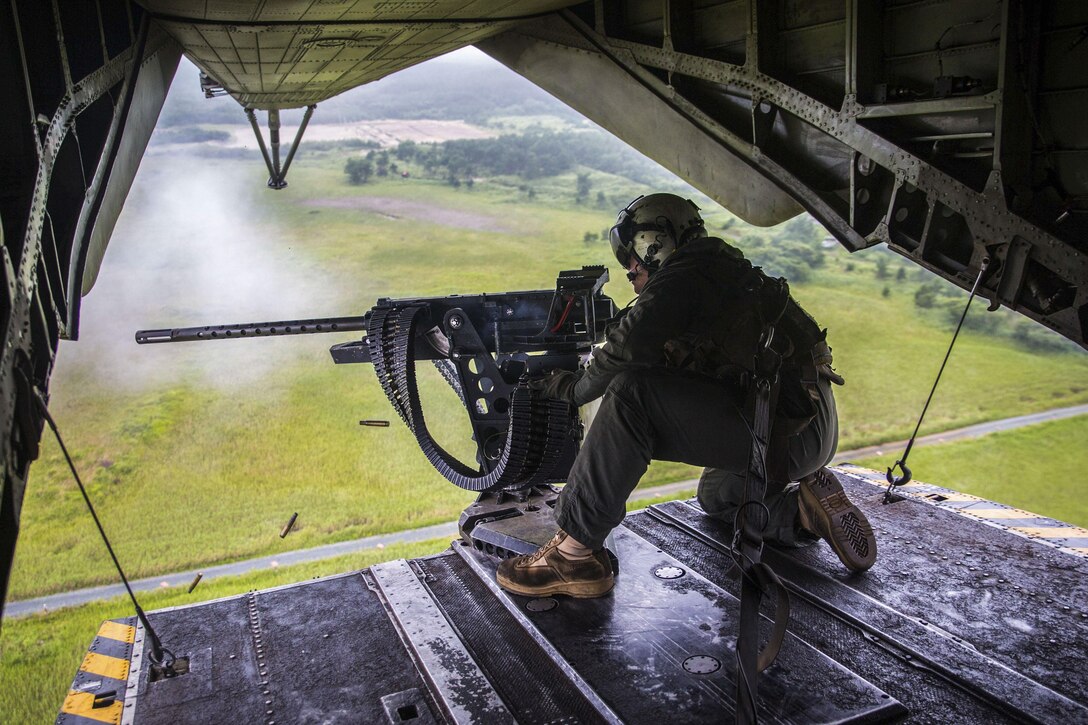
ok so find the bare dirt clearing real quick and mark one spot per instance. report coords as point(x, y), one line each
point(386, 132)
point(395, 208)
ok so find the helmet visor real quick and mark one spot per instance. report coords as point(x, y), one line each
point(621, 241)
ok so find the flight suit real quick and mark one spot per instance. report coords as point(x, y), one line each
point(652, 409)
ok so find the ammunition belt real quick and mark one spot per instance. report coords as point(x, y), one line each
point(539, 447)
point(448, 371)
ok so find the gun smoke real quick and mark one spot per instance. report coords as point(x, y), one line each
point(194, 247)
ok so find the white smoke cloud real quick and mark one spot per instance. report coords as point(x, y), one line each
point(192, 247)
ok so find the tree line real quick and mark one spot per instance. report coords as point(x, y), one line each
point(531, 155)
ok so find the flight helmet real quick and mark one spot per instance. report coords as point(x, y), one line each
point(654, 226)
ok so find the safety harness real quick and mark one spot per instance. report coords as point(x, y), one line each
point(790, 357)
point(771, 298)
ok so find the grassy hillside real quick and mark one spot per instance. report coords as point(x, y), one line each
point(197, 454)
point(1051, 458)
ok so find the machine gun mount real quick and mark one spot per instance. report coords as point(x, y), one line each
point(487, 347)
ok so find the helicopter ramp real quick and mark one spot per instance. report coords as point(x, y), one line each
point(974, 613)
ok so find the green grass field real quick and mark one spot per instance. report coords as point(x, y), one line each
point(194, 468)
point(197, 455)
point(1037, 468)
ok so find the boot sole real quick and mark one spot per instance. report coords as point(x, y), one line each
point(841, 523)
point(578, 590)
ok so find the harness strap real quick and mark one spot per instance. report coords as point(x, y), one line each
point(752, 516)
point(778, 459)
point(767, 580)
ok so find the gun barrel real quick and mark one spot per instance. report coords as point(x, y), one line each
point(253, 329)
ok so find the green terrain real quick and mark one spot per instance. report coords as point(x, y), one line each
point(1036, 468)
point(197, 455)
point(208, 448)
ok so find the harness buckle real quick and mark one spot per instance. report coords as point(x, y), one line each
point(766, 337)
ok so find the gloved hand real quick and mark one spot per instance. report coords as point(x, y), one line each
point(558, 384)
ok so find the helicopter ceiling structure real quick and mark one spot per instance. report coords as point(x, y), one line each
point(947, 130)
point(950, 131)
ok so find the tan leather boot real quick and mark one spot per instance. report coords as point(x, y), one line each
point(827, 512)
point(547, 571)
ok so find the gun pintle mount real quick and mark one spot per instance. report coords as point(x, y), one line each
point(487, 347)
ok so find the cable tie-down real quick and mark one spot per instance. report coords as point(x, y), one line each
point(893, 480)
point(159, 655)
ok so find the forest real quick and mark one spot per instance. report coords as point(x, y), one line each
point(528, 156)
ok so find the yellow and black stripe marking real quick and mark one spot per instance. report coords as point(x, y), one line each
point(1070, 539)
point(98, 691)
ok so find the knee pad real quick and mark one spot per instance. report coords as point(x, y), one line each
point(720, 492)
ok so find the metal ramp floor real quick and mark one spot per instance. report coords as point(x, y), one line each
point(961, 620)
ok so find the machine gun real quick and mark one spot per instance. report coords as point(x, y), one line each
point(487, 347)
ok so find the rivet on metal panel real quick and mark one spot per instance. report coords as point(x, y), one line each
point(668, 572)
point(702, 664)
point(541, 605)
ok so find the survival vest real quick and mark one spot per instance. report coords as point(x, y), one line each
point(728, 349)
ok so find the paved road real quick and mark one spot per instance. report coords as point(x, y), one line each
point(971, 431)
point(449, 530)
